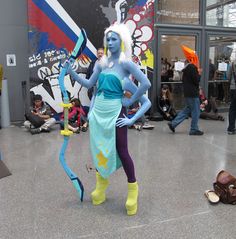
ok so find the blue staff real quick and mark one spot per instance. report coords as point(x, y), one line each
point(79, 47)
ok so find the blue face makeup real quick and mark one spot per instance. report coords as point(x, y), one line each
point(113, 42)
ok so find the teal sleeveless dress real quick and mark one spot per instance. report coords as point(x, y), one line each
point(102, 123)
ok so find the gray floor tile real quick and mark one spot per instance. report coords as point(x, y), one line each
point(173, 171)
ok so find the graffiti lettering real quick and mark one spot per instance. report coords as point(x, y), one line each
point(55, 100)
point(34, 58)
point(44, 72)
point(46, 57)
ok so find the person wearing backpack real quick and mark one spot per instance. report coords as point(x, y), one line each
point(38, 118)
point(232, 108)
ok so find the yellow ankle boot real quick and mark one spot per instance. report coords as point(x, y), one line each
point(132, 199)
point(98, 195)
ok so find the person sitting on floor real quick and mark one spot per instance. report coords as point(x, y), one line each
point(208, 109)
point(165, 106)
point(141, 123)
point(39, 119)
point(76, 118)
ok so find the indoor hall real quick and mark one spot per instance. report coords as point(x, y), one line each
point(173, 170)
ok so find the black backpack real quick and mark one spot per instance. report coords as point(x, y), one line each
point(35, 120)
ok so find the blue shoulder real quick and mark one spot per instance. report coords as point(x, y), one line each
point(127, 65)
point(97, 67)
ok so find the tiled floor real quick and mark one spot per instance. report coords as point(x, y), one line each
point(173, 171)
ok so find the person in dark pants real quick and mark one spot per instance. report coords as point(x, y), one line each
point(208, 107)
point(212, 88)
point(232, 108)
point(100, 53)
point(191, 80)
point(41, 110)
point(164, 104)
point(107, 118)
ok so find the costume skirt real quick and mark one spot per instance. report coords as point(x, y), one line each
point(102, 127)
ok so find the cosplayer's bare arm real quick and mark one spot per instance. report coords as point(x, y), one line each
point(92, 100)
point(145, 105)
point(145, 84)
point(88, 83)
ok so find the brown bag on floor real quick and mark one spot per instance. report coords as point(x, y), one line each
point(225, 187)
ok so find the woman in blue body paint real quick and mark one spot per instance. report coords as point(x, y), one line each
point(107, 117)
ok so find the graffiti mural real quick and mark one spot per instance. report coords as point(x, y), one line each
point(53, 30)
point(141, 22)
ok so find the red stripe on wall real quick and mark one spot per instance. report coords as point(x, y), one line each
point(39, 20)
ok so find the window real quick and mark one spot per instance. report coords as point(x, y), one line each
point(178, 11)
point(172, 59)
point(222, 51)
point(221, 13)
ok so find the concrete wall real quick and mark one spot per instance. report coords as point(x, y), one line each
point(14, 40)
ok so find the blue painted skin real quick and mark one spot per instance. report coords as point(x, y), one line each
point(123, 69)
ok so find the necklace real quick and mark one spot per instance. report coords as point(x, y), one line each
point(111, 64)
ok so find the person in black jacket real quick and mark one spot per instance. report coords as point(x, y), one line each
point(232, 109)
point(39, 117)
point(208, 107)
point(100, 53)
point(190, 80)
point(164, 104)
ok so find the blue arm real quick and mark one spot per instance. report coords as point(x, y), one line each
point(145, 105)
point(145, 84)
point(92, 101)
point(88, 83)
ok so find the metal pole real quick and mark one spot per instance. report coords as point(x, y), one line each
point(5, 112)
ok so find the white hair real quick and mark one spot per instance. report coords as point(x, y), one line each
point(125, 36)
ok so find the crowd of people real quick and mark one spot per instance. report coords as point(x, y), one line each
point(77, 118)
point(197, 104)
point(40, 118)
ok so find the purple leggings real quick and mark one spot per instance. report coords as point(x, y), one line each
point(122, 149)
